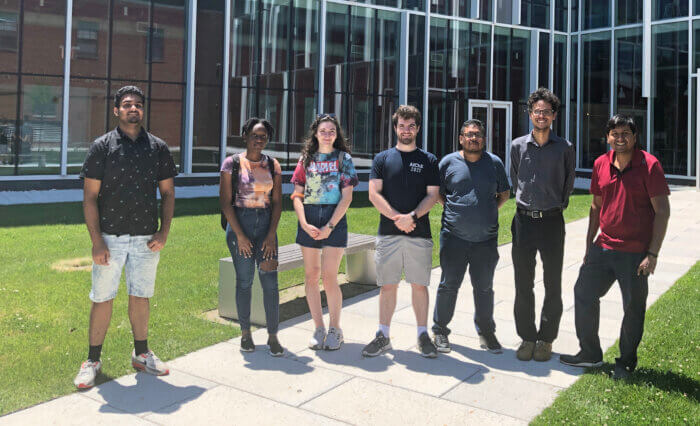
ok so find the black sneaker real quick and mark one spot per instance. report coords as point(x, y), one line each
point(490, 343)
point(578, 360)
point(426, 347)
point(247, 344)
point(275, 348)
point(379, 345)
point(621, 373)
point(442, 343)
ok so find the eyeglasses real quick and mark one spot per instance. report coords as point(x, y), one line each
point(259, 137)
point(543, 112)
point(472, 135)
point(623, 135)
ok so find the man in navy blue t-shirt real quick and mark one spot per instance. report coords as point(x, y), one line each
point(404, 185)
point(473, 186)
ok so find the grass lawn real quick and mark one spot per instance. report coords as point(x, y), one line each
point(44, 313)
point(665, 388)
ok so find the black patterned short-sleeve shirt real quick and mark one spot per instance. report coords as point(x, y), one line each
point(130, 172)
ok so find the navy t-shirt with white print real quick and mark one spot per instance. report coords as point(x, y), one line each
point(405, 177)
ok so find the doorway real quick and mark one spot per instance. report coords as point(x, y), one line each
point(497, 117)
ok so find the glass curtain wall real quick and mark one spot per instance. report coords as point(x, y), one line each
point(126, 42)
point(628, 80)
point(595, 99)
point(32, 35)
point(361, 75)
point(273, 63)
point(511, 73)
point(559, 79)
point(459, 70)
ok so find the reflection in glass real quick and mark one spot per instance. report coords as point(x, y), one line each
point(86, 118)
point(43, 37)
point(595, 14)
point(9, 144)
point(573, 92)
point(416, 63)
point(476, 9)
point(696, 43)
point(511, 73)
point(561, 16)
point(38, 149)
point(669, 93)
point(535, 13)
point(206, 133)
point(628, 80)
point(166, 43)
point(595, 102)
point(629, 12)
point(90, 37)
point(574, 15)
point(666, 9)
point(165, 105)
point(559, 79)
point(9, 36)
point(131, 20)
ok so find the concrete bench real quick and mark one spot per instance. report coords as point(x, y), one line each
point(359, 268)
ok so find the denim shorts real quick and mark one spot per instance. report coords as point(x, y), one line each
point(132, 253)
point(318, 215)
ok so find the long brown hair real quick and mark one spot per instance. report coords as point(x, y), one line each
point(311, 142)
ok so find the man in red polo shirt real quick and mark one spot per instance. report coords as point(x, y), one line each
point(630, 206)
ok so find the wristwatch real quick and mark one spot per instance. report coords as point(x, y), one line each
point(331, 226)
point(413, 216)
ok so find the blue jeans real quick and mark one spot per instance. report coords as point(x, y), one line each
point(255, 223)
point(455, 255)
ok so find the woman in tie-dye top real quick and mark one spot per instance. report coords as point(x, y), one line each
point(251, 200)
point(323, 183)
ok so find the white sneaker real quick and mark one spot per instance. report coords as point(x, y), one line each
point(334, 339)
point(148, 362)
point(317, 340)
point(86, 376)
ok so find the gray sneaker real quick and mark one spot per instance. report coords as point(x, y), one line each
point(442, 343)
point(334, 339)
point(317, 340)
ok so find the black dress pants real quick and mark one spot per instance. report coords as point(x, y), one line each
point(531, 235)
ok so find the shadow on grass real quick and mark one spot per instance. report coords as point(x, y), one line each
point(667, 381)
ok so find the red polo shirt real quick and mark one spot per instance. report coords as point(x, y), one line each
point(626, 215)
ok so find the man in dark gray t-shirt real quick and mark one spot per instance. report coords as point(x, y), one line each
point(473, 185)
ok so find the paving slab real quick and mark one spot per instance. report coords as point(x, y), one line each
point(362, 401)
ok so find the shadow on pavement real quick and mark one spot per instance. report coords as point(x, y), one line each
point(290, 363)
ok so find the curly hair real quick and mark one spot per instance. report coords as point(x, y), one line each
point(543, 94)
point(406, 112)
point(254, 121)
point(311, 142)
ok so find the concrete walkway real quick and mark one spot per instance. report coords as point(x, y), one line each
point(219, 384)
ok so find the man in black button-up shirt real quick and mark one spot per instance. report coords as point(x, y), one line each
point(542, 170)
point(121, 174)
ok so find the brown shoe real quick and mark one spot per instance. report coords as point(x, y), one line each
point(543, 351)
point(525, 351)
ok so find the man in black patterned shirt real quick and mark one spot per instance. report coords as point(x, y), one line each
point(122, 172)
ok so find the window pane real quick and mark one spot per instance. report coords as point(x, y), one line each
point(301, 113)
point(167, 41)
point(476, 9)
point(535, 13)
point(628, 80)
point(241, 106)
point(629, 11)
point(9, 144)
point(595, 106)
point(595, 14)
point(90, 37)
point(41, 106)
point(561, 16)
point(696, 44)
point(305, 45)
point(573, 93)
point(386, 67)
point(665, 9)
point(165, 116)
point(87, 117)
point(43, 37)
point(670, 96)
point(206, 134)
point(130, 29)
point(543, 73)
point(511, 73)
point(559, 87)
point(416, 63)
point(244, 30)
point(361, 49)
point(9, 35)
point(574, 15)
point(505, 10)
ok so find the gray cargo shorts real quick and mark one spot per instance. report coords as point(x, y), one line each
point(401, 253)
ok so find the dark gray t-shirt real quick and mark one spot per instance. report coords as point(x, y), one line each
point(470, 189)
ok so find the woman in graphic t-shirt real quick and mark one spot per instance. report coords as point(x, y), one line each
point(251, 200)
point(323, 182)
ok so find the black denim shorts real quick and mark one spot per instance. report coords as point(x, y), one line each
point(318, 215)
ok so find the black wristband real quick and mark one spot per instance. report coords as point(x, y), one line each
point(654, 255)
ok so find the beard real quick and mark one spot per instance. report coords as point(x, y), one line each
point(406, 141)
point(133, 118)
